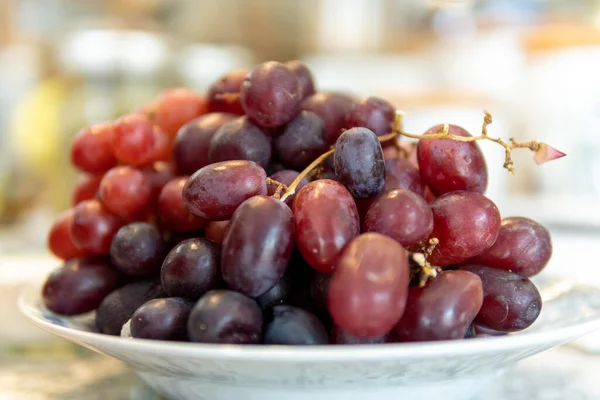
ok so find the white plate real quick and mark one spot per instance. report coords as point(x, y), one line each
point(440, 370)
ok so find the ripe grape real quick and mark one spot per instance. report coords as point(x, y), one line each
point(332, 108)
point(296, 327)
point(173, 108)
point(511, 302)
point(192, 268)
point(402, 174)
point(224, 94)
point(118, 307)
point(258, 245)
point(286, 177)
point(305, 78)
point(271, 94)
point(138, 250)
point(215, 230)
point(92, 149)
point(367, 293)
point(466, 223)
point(240, 139)
point(441, 310)
point(60, 242)
point(93, 227)
point(373, 113)
point(162, 319)
point(400, 214)
point(215, 191)
point(358, 162)
point(224, 316)
point(172, 210)
point(192, 143)
point(339, 336)
point(158, 174)
point(137, 141)
point(79, 286)
point(86, 188)
point(448, 165)
point(126, 192)
point(523, 246)
point(301, 141)
point(278, 294)
point(326, 220)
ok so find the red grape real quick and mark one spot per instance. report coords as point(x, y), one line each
point(358, 162)
point(60, 241)
point(258, 245)
point(158, 174)
point(332, 108)
point(126, 192)
point(271, 94)
point(302, 141)
point(240, 139)
point(296, 327)
point(305, 78)
point(224, 94)
point(402, 174)
point(511, 302)
point(192, 143)
point(93, 227)
point(86, 188)
point(466, 223)
point(92, 149)
point(441, 310)
point(79, 286)
point(137, 141)
point(523, 246)
point(401, 215)
point(326, 220)
point(161, 319)
point(138, 250)
point(173, 108)
point(192, 268)
point(215, 231)
point(171, 208)
point(215, 191)
point(447, 165)
point(224, 316)
point(367, 293)
point(374, 114)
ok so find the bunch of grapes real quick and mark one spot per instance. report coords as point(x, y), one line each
point(267, 212)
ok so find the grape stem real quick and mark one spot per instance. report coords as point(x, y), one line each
point(292, 188)
point(279, 187)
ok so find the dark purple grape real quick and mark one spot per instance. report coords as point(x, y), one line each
point(402, 174)
point(295, 326)
point(224, 316)
point(332, 108)
point(278, 294)
point(162, 319)
point(326, 220)
point(367, 293)
point(305, 78)
point(79, 286)
point(239, 139)
point(358, 162)
point(466, 223)
point(447, 165)
point(215, 191)
point(271, 94)
point(286, 177)
point(258, 245)
point(192, 143)
point(319, 289)
point(373, 113)
point(301, 141)
point(523, 246)
point(510, 302)
point(441, 310)
point(138, 250)
point(118, 307)
point(192, 268)
point(224, 94)
point(400, 214)
point(339, 336)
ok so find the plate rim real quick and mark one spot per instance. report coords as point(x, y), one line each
point(323, 353)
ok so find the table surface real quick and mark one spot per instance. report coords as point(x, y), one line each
point(72, 373)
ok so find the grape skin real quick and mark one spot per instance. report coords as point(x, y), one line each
point(373, 113)
point(223, 95)
point(161, 319)
point(60, 242)
point(86, 188)
point(332, 107)
point(125, 192)
point(305, 78)
point(295, 326)
point(138, 250)
point(92, 149)
point(93, 227)
point(171, 208)
point(301, 141)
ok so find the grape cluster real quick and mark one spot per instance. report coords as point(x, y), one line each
point(268, 212)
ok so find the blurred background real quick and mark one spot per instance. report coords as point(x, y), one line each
point(533, 64)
